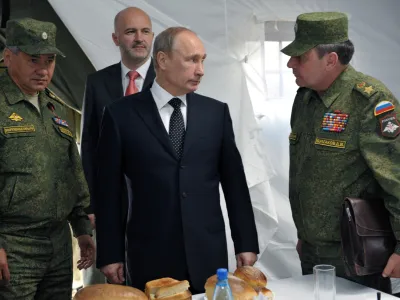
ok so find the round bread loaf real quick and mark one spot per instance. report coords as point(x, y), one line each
point(109, 292)
point(265, 293)
point(252, 276)
point(240, 289)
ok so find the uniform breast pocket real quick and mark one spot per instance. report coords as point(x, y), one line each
point(17, 148)
point(65, 134)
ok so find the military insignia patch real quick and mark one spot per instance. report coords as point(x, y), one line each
point(383, 107)
point(293, 136)
point(368, 90)
point(361, 85)
point(390, 126)
point(19, 129)
point(60, 121)
point(15, 117)
point(65, 131)
point(330, 143)
point(335, 122)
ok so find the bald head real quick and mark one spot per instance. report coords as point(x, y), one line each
point(134, 36)
point(128, 13)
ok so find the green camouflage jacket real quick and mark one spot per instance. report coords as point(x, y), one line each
point(343, 144)
point(41, 178)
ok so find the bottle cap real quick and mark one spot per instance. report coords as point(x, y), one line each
point(222, 274)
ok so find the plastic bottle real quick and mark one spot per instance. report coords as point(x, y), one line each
point(222, 288)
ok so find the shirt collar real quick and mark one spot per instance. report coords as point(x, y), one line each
point(142, 70)
point(343, 81)
point(161, 96)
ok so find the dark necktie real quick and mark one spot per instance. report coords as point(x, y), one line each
point(177, 126)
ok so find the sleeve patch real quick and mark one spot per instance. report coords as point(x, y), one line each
point(383, 107)
point(390, 126)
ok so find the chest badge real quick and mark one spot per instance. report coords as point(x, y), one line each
point(334, 122)
point(60, 121)
point(15, 117)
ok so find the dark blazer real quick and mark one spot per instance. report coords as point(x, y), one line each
point(102, 88)
point(175, 225)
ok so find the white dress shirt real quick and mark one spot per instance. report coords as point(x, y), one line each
point(142, 70)
point(161, 97)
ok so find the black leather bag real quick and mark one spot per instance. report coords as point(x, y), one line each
point(366, 236)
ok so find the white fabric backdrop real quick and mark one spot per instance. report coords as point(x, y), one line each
point(233, 33)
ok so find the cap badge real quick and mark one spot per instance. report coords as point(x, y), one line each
point(44, 35)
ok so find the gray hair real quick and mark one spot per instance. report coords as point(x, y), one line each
point(164, 41)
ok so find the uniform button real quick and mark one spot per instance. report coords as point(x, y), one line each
point(184, 195)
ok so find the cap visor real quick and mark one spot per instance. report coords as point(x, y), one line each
point(32, 50)
point(297, 48)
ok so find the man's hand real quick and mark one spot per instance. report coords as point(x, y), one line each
point(92, 220)
point(246, 259)
point(392, 268)
point(114, 273)
point(298, 247)
point(88, 251)
point(4, 272)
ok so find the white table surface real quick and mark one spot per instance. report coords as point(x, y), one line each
point(302, 288)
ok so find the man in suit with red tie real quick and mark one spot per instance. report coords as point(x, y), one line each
point(174, 147)
point(134, 36)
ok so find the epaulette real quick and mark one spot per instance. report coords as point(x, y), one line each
point(53, 96)
point(382, 104)
point(366, 89)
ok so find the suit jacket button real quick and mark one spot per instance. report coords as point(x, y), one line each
point(182, 167)
point(184, 195)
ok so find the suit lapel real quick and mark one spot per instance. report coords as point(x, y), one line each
point(147, 110)
point(193, 121)
point(114, 83)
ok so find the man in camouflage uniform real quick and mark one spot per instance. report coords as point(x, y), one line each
point(42, 184)
point(344, 143)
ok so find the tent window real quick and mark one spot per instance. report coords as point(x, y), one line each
point(279, 78)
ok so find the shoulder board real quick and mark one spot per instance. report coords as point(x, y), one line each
point(365, 88)
point(53, 96)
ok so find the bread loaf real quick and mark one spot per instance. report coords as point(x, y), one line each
point(186, 295)
point(265, 293)
point(152, 286)
point(252, 276)
point(172, 289)
point(168, 289)
point(109, 292)
point(240, 289)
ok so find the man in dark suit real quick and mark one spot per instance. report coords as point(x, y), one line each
point(174, 147)
point(134, 36)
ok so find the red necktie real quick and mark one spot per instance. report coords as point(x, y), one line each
point(132, 88)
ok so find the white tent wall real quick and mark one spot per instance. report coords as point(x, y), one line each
point(233, 33)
